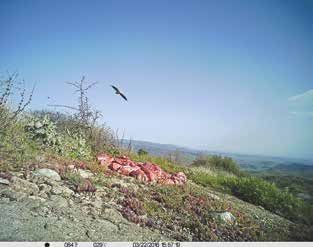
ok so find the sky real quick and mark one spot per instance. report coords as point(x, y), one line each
point(232, 76)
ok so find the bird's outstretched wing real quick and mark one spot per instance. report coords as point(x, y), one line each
point(123, 96)
point(116, 89)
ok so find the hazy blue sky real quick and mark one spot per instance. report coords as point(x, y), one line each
point(221, 75)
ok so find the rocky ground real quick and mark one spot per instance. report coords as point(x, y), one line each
point(40, 205)
point(43, 208)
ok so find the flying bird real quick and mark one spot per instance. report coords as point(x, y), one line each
point(117, 91)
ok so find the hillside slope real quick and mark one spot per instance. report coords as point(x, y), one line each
point(42, 197)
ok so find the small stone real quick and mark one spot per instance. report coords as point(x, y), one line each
point(5, 200)
point(47, 173)
point(61, 190)
point(57, 202)
point(213, 196)
point(85, 174)
point(223, 217)
point(70, 202)
point(34, 202)
point(44, 188)
point(43, 195)
point(25, 186)
point(39, 158)
point(97, 204)
point(12, 194)
point(76, 195)
point(113, 215)
point(18, 174)
point(37, 198)
point(66, 192)
point(56, 190)
point(4, 181)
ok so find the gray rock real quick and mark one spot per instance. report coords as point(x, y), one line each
point(40, 158)
point(47, 173)
point(25, 186)
point(4, 200)
point(85, 174)
point(12, 194)
point(223, 217)
point(66, 192)
point(97, 203)
point(17, 173)
point(57, 202)
point(51, 182)
point(4, 181)
point(56, 190)
point(114, 216)
point(44, 188)
point(70, 203)
point(20, 222)
point(61, 190)
point(33, 202)
point(213, 196)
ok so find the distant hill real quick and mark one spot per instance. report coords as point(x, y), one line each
point(246, 161)
point(294, 169)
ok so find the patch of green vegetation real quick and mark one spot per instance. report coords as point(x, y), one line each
point(142, 152)
point(260, 192)
point(162, 162)
point(184, 212)
point(218, 163)
point(294, 184)
point(72, 145)
point(74, 178)
point(268, 195)
point(100, 180)
point(16, 148)
point(247, 188)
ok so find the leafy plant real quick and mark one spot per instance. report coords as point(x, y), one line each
point(74, 178)
point(142, 152)
point(16, 148)
point(44, 130)
point(74, 145)
point(218, 162)
point(267, 194)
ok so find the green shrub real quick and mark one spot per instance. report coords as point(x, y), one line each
point(142, 152)
point(99, 138)
point(74, 146)
point(219, 163)
point(253, 190)
point(44, 130)
point(74, 178)
point(260, 192)
point(16, 148)
point(161, 162)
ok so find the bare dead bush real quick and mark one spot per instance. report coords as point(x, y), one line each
point(85, 119)
point(12, 89)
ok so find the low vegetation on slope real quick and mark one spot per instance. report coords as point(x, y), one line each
point(183, 212)
point(217, 172)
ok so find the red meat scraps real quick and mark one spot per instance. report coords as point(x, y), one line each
point(146, 172)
